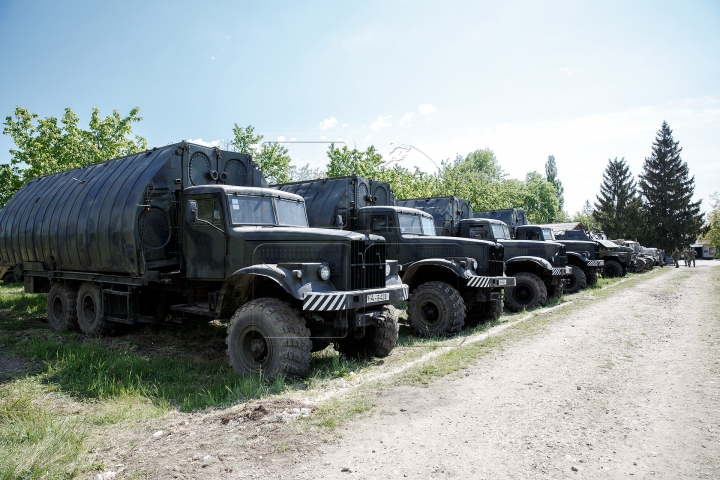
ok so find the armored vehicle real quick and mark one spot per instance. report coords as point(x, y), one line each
point(450, 278)
point(186, 229)
point(540, 268)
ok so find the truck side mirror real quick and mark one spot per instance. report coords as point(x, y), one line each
point(339, 221)
point(191, 212)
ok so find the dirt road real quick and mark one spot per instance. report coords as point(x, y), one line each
point(627, 386)
point(623, 386)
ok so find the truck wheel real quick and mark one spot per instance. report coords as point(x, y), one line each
point(436, 308)
point(612, 269)
point(9, 278)
point(482, 312)
point(577, 280)
point(379, 340)
point(529, 291)
point(268, 336)
point(90, 312)
point(591, 275)
point(62, 311)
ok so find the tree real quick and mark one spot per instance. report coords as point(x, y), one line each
point(272, 158)
point(551, 174)
point(43, 146)
point(585, 215)
point(667, 190)
point(306, 172)
point(344, 161)
point(712, 236)
point(617, 205)
point(540, 201)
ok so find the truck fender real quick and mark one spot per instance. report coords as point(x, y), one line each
point(574, 258)
point(450, 269)
point(238, 287)
point(522, 263)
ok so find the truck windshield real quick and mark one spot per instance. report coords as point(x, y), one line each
point(252, 211)
point(548, 234)
point(414, 224)
point(428, 226)
point(291, 213)
point(500, 231)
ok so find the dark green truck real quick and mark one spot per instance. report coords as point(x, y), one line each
point(191, 230)
point(540, 268)
point(453, 281)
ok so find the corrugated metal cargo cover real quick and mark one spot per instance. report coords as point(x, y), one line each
point(118, 216)
point(329, 198)
point(446, 211)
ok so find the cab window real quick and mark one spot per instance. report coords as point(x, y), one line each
point(381, 224)
point(209, 210)
point(478, 232)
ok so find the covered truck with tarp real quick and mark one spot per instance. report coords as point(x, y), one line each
point(193, 230)
point(446, 211)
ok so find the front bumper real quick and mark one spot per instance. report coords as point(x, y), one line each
point(596, 263)
point(561, 271)
point(332, 301)
point(477, 281)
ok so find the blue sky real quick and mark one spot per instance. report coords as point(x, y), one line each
point(584, 81)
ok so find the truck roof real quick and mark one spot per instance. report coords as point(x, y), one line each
point(389, 208)
point(237, 190)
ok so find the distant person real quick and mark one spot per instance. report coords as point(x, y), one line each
point(693, 254)
point(685, 256)
point(676, 257)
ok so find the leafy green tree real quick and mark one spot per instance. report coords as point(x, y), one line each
point(617, 207)
point(44, 145)
point(540, 200)
point(551, 174)
point(272, 158)
point(585, 215)
point(306, 172)
point(344, 161)
point(712, 237)
point(667, 189)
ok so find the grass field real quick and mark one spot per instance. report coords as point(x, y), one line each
point(59, 389)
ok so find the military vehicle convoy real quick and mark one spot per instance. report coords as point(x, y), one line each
point(187, 229)
point(540, 268)
point(617, 259)
point(452, 281)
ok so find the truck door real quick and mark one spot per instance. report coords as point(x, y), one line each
point(205, 240)
point(383, 224)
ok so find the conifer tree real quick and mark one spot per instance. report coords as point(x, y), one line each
point(667, 189)
point(613, 209)
point(551, 174)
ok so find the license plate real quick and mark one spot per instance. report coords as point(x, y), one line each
point(378, 297)
point(502, 282)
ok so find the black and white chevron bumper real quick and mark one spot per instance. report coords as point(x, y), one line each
point(331, 301)
point(562, 271)
point(596, 263)
point(490, 282)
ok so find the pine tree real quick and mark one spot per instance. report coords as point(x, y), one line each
point(551, 174)
point(616, 203)
point(667, 190)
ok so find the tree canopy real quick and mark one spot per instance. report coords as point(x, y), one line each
point(617, 207)
point(48, 145)
point(272, 158)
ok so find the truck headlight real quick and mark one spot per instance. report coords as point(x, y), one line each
point(387, 269)
point(324, 272)
point(474, 264)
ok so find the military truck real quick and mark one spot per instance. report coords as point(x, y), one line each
point(190, 230)
point(452, 281)
point(512, 217)
point(540, 268)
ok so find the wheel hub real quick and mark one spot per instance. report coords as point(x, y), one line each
point(258, 348)
point(522, 293)
point(430, 313)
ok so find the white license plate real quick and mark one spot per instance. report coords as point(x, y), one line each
point(502, 282)
point(378, 297)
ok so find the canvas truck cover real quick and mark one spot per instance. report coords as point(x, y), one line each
point(446, 211)
point(330, 199)
point(513, 217)
point(118, 216)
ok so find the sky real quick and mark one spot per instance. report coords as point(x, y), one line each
point(583, 81)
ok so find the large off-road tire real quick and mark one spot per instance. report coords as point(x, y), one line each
point(577, 280)
point(62, 311)
point(639, 265)
point(379, 340)
point(268, 336)
point(90, 311)
point(591, 275)
point(436, 308)
point(482, 312)
point(529, 291)
point(9, 278)
point(612, 269)
point(556, 290)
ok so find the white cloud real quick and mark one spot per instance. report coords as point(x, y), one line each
point(212, 58)
point(565, 70)
point(328, 123)
point(200, 141)
point(344, 124)
point(368, 138)
point(280, 138)
point(293, 139)
point(426, 108)
point(323, 137)
point(382, 122)
point(405, 120)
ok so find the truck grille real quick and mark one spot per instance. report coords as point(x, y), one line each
point(367, 265)
point(496, 265)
